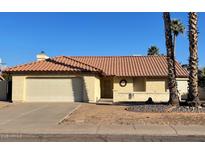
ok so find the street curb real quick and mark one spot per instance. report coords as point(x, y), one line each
point(12, 137)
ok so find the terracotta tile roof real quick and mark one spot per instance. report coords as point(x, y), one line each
point(144, 66)
point(56, 64)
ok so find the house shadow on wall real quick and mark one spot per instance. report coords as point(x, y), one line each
point(79, 95)
point(80, 92)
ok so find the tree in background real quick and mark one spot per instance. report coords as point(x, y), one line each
point(203, 72)
point(172, 84)
point(177, 28)
point(193, 96)
point(6, 76)
point(153, 51)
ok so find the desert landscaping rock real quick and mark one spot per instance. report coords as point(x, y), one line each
point(149, 108)
point(160, 108)
point(189, 109)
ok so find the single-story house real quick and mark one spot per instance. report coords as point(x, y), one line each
point(91, 78)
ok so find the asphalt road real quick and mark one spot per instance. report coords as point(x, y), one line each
point(95, 138)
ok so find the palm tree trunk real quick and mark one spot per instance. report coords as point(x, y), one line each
point(172, 84)
point(174, 54)
point(193, 96)
point(174, 41)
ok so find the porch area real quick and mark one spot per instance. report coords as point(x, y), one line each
point(137, 89)
point(140, 89)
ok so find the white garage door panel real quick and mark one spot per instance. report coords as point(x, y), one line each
point(54, 89)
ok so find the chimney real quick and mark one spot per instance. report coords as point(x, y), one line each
point(41, 56)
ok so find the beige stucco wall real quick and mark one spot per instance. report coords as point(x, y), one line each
point(91, 89)
point(18, 88)
point(156, 85)
point(127, 88)
point(182, 86)
point(97, 89)
point(140, 96)
point(156, 88)
point(91, 86)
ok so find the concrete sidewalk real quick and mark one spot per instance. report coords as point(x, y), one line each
point(154, 130)
point(107, 133)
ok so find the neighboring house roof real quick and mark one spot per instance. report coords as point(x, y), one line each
point(144, 66)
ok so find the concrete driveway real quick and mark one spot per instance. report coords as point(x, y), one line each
point(31, 117)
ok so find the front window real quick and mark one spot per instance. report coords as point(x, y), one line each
point(139, 85)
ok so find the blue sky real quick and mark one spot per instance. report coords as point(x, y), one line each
point(23, 35)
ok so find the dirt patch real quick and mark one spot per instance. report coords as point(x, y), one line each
point(111, 114)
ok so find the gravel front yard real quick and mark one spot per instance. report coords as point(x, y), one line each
point(116, 114)
point(164, 108)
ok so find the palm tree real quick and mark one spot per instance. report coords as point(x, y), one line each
point(153, 51)
point(172, 84)
point(177, 28)
point(193, 96)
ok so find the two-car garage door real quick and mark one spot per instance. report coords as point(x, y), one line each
point(54, 89)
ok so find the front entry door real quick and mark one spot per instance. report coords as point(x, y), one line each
point(106, 87)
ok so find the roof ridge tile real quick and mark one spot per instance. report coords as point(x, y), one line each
point(138, 66)
point(83, 63)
